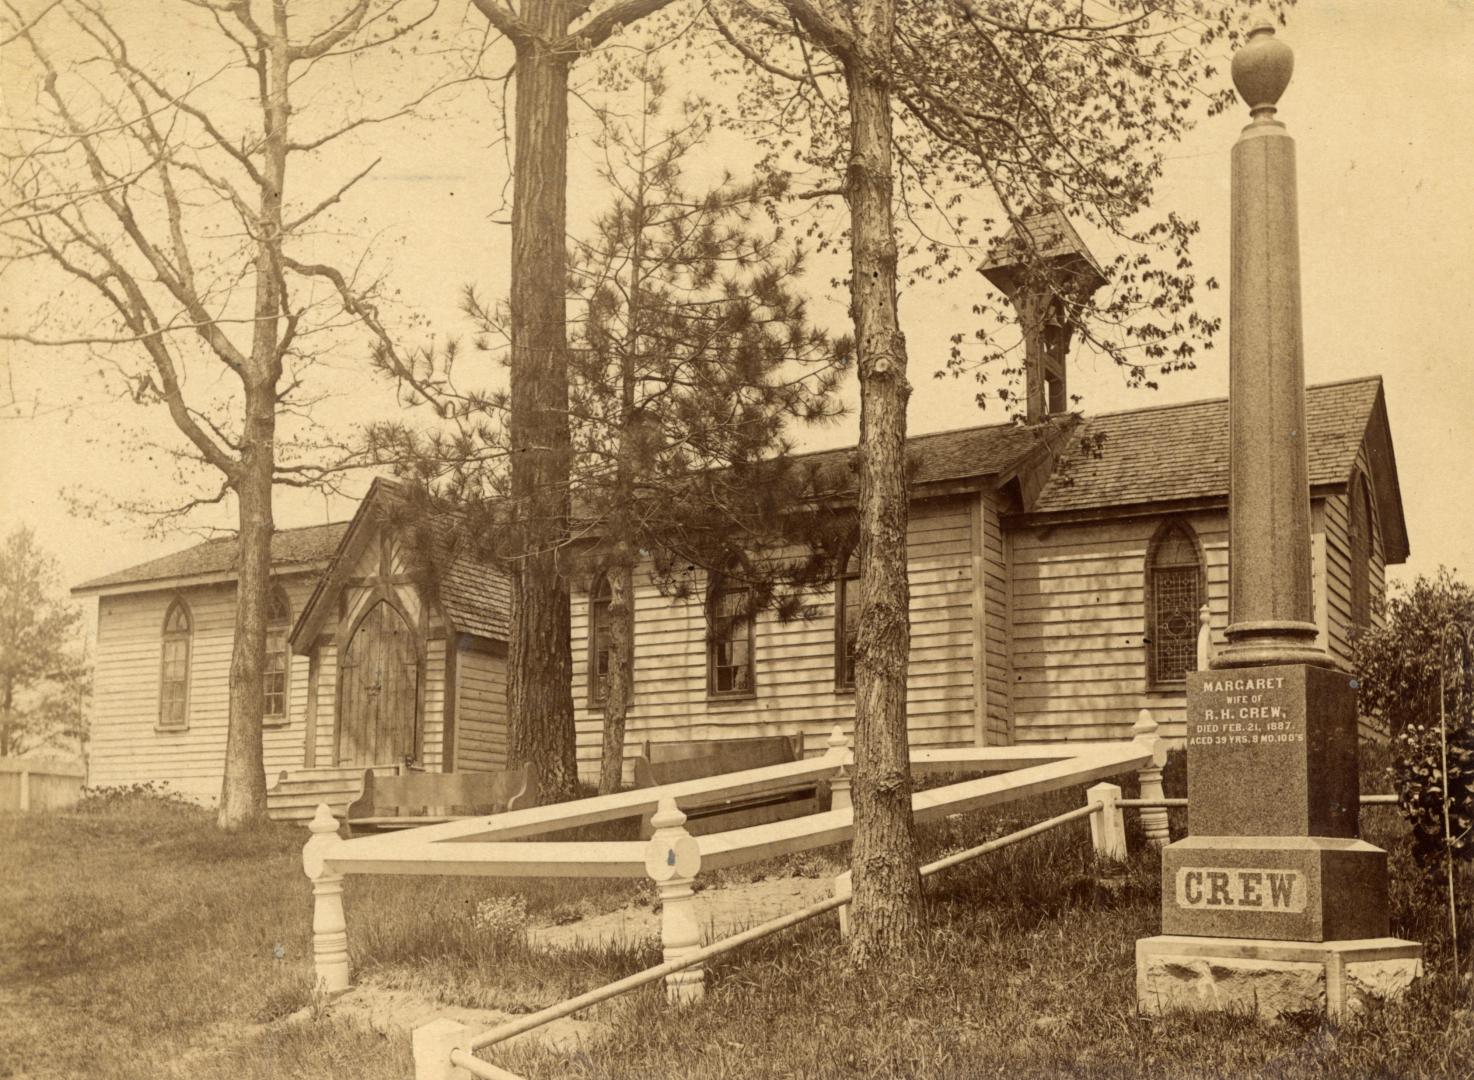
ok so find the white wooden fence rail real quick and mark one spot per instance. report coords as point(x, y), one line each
point(29, 785)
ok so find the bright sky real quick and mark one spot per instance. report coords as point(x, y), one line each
point(1378, 107)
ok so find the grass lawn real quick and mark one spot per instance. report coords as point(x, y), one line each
point(138, 942)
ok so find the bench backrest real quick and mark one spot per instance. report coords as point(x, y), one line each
point(417, 794)
point(669, 763)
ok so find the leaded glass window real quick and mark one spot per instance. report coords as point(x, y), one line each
point(1174, 596)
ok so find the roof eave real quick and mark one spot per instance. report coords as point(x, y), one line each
point(185, 581)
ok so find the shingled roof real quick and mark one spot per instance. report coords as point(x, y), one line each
point(474, 596)
point(292, 550)
point(936, 458)
point(1172, 452)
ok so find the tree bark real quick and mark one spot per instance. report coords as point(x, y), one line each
point(887, 885)
point(540, 676)
point(243, 789)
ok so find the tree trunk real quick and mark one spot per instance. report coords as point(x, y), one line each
point(8, 718)
point(243, 787)
point(243, 790)
point(621, 681)
point(887, 886)
point(540, 691)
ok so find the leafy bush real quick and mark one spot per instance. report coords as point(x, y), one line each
point(1416, 672)
point(147, 797)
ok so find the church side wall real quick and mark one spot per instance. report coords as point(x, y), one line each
point(481, 709)
point(126, 745)
point(1078, 596)
point(1338, 562)
point(794, 661)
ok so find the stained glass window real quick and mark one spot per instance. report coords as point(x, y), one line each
point(1174, 596)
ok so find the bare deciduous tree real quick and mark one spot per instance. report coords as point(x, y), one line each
point(156, 191)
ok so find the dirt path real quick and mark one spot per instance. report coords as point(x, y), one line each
point(723, 911)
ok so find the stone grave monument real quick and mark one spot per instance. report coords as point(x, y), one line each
point(1273, 904)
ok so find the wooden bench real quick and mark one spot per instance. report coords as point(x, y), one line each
point(669, 763)
point(427, 798)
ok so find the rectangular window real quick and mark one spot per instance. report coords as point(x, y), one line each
point(599, 643)
point(729, 647)
point(174, 690)
point(846, 629)
point(275, 675)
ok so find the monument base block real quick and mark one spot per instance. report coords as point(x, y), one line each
point(1271, 978)
point(1284, 888)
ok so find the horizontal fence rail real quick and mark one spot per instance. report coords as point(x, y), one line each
point(464, 1058)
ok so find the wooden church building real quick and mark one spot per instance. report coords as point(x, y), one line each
point(1059, 571)
point(363, 667)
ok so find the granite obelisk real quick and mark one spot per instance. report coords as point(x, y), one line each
point(1272, 904)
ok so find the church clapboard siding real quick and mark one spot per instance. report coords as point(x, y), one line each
point(794, 662)
point(1035, 554)
point(127, 745)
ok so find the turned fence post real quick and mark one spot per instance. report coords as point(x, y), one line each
point(844, 886)
point(1107, 824)
point(329, 928)
point(1153, 818)
point(839, 783)
point(673, 860)
point(431, 1045)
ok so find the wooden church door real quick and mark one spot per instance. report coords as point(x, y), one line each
point(378, 688)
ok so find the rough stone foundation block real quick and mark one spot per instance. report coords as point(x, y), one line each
point(1271, 978)
point(1281, 888)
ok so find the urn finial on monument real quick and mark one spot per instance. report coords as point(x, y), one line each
point(1262, 69)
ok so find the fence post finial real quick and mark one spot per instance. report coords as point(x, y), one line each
point(673, 859)
point(839, 783)
point(1149, 777)
point(329, 926)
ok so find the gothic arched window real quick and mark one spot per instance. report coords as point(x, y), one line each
point(174, 667)
point(1360, 541)
point(1174, 593)
point(276, 670)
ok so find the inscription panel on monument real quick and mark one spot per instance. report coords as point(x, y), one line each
point(1239, 888)
point(1271, 751)
point(1231, 712)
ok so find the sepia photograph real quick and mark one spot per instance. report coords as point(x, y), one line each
point(736, 539)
